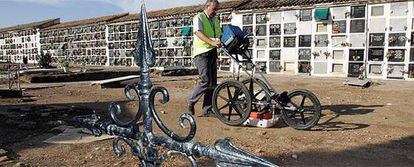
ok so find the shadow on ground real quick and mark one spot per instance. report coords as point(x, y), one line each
point(332, 124)
point(393, 153)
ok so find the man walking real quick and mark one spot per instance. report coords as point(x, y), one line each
point(207, 32)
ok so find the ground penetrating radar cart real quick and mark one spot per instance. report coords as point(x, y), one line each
point(254, 101)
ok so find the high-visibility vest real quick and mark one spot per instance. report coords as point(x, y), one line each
point(211, 31)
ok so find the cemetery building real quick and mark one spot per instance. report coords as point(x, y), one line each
point(83, 41)
point(21, 41)
point(338, 38)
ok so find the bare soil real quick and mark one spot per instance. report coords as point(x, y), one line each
point(359, 127)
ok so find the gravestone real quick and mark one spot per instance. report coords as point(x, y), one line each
point(396, 71)
point(261, 18)
point(375, 69)
point(275, 29)
point(290, 28)
point(274, 54)
point(261, 54)
point(306, 15)
point(321, 27)
point(303, 67)
point(305, 54)
point(261, 30)
point(305, 40)
point(338, 55)
point(274, 66)
point(339, 12)
point(289, 41)
point(339, 41)
point(274, 42)
point(337, 68)
point(356, 55)
point(357, 11)
point(248, 29)
point(247, 19)
point(321, 40)
point(354, 69)
point(412, 55)
point(396, 55)
point(320, 68)
point(377, 10)
point(261, 43)
point(397, 39)
point(357, 26)
point(339, 27)
point(376, 54)
point(377, 39)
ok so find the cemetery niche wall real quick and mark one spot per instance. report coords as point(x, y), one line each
point(81, 42)
point(326, 38)
point(22, 41)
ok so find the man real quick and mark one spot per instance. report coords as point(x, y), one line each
point(207, 32)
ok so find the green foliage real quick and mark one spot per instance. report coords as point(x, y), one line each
point(63, 63)
point(45, 60)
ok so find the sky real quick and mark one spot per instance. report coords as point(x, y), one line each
point(13, 12)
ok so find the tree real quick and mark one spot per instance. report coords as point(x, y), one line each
point(45, 60)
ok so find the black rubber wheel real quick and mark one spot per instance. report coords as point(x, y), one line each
point(232, 103)
point(303, 110)
point(260, 99)
point(131, 93)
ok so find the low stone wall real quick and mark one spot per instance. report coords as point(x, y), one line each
point(98, 75)
point(176, 72)
point(76, 77)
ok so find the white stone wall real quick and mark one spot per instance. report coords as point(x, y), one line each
point(16, 46)
point(344, 51)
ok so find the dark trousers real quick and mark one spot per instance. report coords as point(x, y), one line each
point(206, 64)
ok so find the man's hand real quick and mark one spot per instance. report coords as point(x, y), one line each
point(206, 39)
point(216, 43)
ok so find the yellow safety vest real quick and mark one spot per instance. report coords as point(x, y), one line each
point(211, 31)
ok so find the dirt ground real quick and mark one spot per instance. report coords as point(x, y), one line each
point(359, 127)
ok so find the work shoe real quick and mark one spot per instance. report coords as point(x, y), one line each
point(207, 112)
point(191, 109)
point(205, 115)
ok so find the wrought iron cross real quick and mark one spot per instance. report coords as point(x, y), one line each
point(143, 143)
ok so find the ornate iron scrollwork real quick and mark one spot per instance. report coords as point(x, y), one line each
point(143, 143)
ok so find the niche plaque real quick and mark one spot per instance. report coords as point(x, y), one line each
point(356, 55)
point(289, 41)
point(274, 54)
point(305, 54)
point(376, 54)
point(321, 40)
point(339, 27)
point(305, 40)
point(397, 39)
point(357, 11)
point(377, 39)
point(306, 15)
point(290, 28)
point(357, 26)
point(396, 55)
point(275, 29)
point(274, 42)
